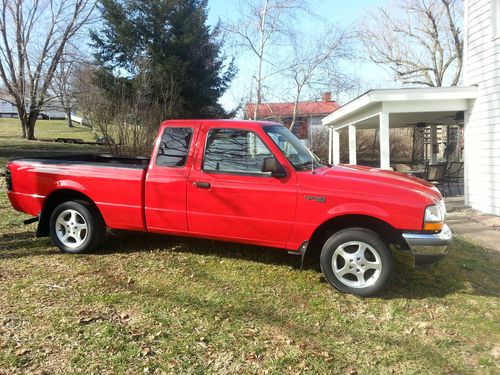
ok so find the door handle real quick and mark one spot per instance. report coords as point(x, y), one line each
point(203, 185)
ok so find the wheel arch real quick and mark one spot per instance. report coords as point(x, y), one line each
point(53, 200)
point(386, 231)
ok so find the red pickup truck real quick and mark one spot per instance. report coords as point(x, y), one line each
point(241, 181)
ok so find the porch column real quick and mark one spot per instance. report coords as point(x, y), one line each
point(464, 156)
point(352, 144)
point(385, 158)
point(335, 147)
point(434, 146)
point(330, 149)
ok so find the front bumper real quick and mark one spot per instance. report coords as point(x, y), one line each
point(428, 249)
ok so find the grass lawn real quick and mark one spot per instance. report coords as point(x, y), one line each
point(160, 304)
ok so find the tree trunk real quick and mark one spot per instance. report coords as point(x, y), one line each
point(21, 114)
point(23, 120)
point(31, 132)
point(295, 108)
point(23, 127)
point(418, 144)
point(260, 59)
point(452, 141)
point(70, 123)
point(30, 125)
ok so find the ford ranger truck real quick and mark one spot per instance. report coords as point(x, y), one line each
point(241, 181)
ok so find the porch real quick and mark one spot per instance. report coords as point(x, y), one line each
point(399, 108)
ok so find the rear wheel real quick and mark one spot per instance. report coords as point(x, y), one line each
point(357, 261)
point(76, 227)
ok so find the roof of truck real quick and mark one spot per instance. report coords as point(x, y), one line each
point(232, 122)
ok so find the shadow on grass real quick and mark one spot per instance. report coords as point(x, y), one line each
point(24, 244)
point(467, 269)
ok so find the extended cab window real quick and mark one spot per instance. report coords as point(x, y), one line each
point(174, 147)
point(234, 151)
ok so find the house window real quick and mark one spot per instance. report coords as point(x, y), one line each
point(495, 18)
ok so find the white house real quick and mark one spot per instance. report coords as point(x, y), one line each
point(49, 112)
point(476, 103)
point(7, 109)
point(482, 129)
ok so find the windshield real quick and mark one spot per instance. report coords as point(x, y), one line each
point(293, 148)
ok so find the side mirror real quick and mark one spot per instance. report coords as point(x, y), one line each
point(270, 164)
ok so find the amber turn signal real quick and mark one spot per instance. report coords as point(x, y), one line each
point(435, 227)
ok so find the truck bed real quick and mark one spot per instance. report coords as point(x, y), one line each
point(114, 184)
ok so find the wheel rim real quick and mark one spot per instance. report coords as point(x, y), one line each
point(71, 228)
point(356, 264)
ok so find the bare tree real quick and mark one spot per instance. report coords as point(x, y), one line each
point(316, 65)
point(63, 87)
point(33, 37)
point(128, 121)
point(263, 23)
point(419, 40)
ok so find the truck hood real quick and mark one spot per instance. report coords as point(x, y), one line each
point(376, 176)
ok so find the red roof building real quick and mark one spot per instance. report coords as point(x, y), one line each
point(309, 114)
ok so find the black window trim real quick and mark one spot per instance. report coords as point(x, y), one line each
point(188, 149)
point(247, 174)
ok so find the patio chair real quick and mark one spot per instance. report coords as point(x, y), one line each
point(403, 168)
point(453, 174)
point(422, 168)
point(435, 175)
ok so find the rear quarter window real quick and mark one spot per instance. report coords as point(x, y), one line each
point(174, 147)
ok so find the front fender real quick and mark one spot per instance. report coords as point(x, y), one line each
point(358, 209)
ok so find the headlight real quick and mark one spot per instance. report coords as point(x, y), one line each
point(434, 214)
point(434, 217)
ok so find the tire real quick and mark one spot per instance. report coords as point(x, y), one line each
point(357, 261)
point(76, 227)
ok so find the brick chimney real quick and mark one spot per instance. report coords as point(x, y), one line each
point(327, 96)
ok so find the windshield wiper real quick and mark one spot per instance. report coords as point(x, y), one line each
point(304, 164)
point(308, 164)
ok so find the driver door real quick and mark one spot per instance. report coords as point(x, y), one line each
point(228, 197)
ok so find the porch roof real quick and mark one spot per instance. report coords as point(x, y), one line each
point(406, 107)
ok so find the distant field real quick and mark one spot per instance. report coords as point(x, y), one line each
point(12, 145)
point(45, 129)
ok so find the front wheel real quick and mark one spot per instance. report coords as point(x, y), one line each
point(76, 227)
point(357, 261)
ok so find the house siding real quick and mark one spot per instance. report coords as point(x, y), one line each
point(7, 109)
point(482, 130)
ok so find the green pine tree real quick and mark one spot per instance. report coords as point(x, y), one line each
point(169, 42)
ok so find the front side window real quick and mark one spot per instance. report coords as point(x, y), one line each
point(234, 151)
point(174, 147)
point(293, 149)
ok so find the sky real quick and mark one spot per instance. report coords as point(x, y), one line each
point(340, 12)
